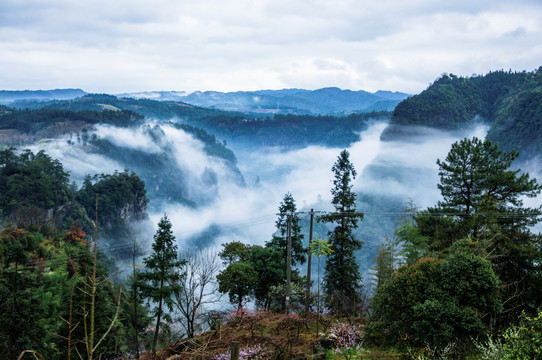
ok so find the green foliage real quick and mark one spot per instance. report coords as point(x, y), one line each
point(281, 130)
point(161, 277)
point(212, 146)
point(37, 275)
point(525, 340)
point(413, 245)
point(436, 302)
point(483, 199)
point(121, 200)
point(342, 278)
point(36, 191)
point(521, 341)
point(291, 130)
point(234, 251)
point(31, 121)
point(385, 263)
point(31, 179)
point(238, 281)
point(279, 242)
point(509, 102)
point(476, 178)
point(270, 266)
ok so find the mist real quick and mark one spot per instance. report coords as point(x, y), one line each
point(225, 207)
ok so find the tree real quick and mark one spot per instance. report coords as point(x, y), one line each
point(279, 241)
point(239, 278)
point(342, 278)
point(436, 302)
point(238, 281)
point(161, 280)
point(270, 265)
point(483, 199)
point(319, 248)
point(385, 263)
point(197, 289)
point(476, 179)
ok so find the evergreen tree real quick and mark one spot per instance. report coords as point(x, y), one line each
point(483, 200)
point(280, 239)
point(385, 263)
point(342, 278)
point(160, 279)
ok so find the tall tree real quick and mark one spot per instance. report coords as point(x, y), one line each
point(161, 280)
point(279, 241)
point(385, 263)
point(483, 199)
point(198, 289)
point(238, 279)
point(342, 278)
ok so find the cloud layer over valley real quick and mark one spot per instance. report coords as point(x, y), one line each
point(221, 207)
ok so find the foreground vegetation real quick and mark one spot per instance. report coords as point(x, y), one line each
point(459, 280)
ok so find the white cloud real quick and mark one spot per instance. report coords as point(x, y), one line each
point(119, 46)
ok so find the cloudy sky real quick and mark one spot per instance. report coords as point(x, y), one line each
point(118, 46)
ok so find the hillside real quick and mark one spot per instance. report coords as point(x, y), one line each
point(7, 96)
point(280, 130)
point(509, 102)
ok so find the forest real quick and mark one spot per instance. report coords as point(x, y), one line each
point(459, 279)
point(508, 101)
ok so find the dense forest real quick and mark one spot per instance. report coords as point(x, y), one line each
point(46, 256)
point(459, 279)
point(507, 101)
point(278, 130)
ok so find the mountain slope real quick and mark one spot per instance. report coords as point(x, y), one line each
point(7, 96)
point(279, 130)
point(508, 102)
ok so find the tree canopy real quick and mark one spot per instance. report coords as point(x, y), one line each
point(342, 278)
point(483, 200)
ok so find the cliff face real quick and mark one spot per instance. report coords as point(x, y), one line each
point(122, 200)
point(135, 210)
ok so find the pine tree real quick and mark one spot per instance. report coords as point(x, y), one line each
point(280, 239)
point(161, 279)
point(483, 200)
point(342, 278)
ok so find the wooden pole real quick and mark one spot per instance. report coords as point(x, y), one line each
point(289, 264)
point(235, 350)
point(308, 290)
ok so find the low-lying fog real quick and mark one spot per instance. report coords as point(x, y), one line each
point(229, 210)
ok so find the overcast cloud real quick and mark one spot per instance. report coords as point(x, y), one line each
point(132, 45)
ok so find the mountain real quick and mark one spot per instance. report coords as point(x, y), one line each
point(509, 102)
point(8, 96)
point(277, 130)
point(330, 100)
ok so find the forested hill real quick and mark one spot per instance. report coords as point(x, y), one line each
point(510, 102)
point(7, 96)
point(278, 130)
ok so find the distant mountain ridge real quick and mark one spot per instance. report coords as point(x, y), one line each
point(9, 96)
point(330, 100)
point(325, 101)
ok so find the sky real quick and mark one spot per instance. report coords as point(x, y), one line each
point(116, 46)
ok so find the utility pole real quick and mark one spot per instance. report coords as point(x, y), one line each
point(289, 263)
point(308, 291)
